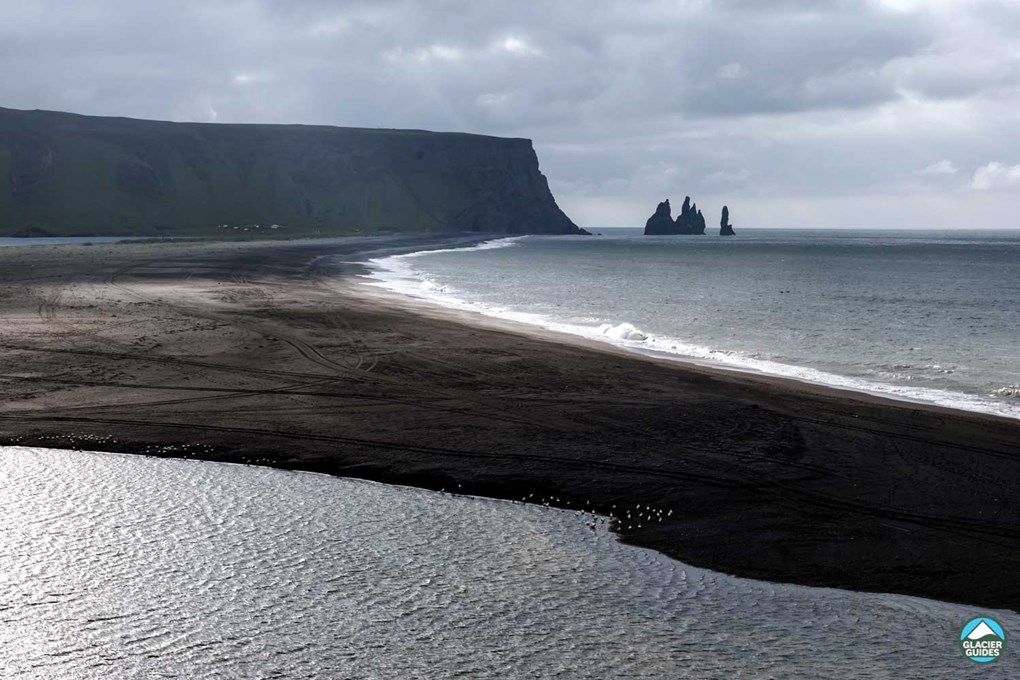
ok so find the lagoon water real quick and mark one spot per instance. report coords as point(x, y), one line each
point(132, 567)
point(926, 316)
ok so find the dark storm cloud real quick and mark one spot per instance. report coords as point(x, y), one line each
point(790, 108)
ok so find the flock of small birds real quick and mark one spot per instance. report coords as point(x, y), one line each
point(620, 518)
point(92, 442)
point(80, 442)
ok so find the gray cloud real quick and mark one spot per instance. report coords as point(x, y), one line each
point(786, 109)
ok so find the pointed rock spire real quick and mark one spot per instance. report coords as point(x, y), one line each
point(662, 221)
point(725, 228)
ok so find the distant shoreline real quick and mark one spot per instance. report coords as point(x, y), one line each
point(272, 353)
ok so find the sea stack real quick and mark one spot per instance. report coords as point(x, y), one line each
point(689, 221)
point(661, 222)
point(699, 227)
point(725, 228)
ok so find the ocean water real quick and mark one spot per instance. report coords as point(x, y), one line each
point(115, 566)
point(923, 316)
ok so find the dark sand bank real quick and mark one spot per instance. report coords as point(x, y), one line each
point(272, 353)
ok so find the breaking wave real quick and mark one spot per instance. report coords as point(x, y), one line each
point(623, 331)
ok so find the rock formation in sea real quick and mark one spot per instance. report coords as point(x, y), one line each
point(66, 174)
point(661, 222)
point(725, 228)
point(689, 221)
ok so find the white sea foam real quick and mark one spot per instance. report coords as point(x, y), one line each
point(1010, 391)
point(397, 273)
point(623, 331)
point(484, 245)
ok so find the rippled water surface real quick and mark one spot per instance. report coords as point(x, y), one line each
point(126, 567)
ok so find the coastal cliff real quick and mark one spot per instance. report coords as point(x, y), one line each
point(68, 174)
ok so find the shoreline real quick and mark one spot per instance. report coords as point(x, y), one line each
point(465, 311)
point(428, 307)
point(254, 353)
point(608, 521)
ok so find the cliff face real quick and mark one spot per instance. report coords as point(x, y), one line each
point(70, 174)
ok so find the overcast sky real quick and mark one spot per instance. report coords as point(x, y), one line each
point(885, 113)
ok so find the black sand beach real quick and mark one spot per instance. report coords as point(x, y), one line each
point(272, 353)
